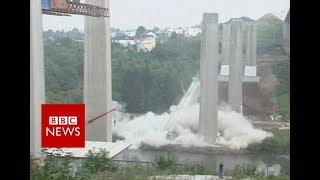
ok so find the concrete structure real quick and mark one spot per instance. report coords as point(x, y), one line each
point(37, 85)
point(235, 77)
point(226, 28)
point(124, 40)
point(192, 31)
point(225, 68)
point(186, 31)
point(97, 74)
point(131, 33)
point(286, 33)
point(251, 50)
point(208, 123)
point(251, 44)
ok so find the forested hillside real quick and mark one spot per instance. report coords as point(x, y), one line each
point(144, 81)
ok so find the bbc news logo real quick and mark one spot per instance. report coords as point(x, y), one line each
point(56, 130)
point(63, 125)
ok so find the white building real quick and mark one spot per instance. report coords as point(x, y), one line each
point(130, 33)
point(186, 31)
point(192, 31)
point(124, 40)
point(148, 41)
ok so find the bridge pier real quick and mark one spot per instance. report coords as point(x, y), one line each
point(235, 77)
point(97, 75)
point(37, 84)
point(251, 50)
point(224, 70)
point(208, 123)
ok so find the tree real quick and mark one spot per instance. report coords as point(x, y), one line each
point(143, 81)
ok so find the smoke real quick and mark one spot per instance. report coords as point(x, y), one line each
point(180, 125)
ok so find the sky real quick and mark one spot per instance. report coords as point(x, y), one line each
point(129, 14)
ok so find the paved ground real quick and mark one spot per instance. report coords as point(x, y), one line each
point(271, 124)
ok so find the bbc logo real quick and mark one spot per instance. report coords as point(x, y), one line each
point(63, 120)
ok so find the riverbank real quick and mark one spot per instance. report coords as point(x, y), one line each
point(279, 144)
point(213, 149)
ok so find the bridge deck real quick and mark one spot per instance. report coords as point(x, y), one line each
point(223, 78)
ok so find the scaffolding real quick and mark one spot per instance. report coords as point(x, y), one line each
point(67, 7)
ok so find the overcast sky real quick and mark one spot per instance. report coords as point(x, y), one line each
point(129, 14)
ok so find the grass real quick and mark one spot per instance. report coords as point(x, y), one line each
point(279, 143)
point(284, 106)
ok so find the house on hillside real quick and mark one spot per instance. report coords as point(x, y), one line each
point(192, 31)
point(124, 40)
point(130, 33)
point(147, 42)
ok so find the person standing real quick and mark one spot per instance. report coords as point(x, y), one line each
point(220, 170)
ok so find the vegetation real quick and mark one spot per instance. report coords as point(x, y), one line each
point(279, 143)
point(269, 35)
point(145, 81)
point(63, 71)
point(61, 168)
point(251, 171)
point(164, 163)
point(98, 166)
point(282, 72)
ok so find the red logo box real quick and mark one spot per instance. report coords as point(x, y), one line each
point(63, 125)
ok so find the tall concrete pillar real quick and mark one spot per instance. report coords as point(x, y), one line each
point(208, 123)
point(37, 86)
point(97, 75)
point(235, 78)
point(251, 50)
point(225, 44)
point(251, 45)
point(225, 65)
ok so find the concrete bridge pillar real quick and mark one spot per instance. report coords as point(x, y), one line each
point(251, 45)
point(97, 75)
point(251, 50)
point(37, 84)
point(225, 49)
point(235, 78)
point(208, 123)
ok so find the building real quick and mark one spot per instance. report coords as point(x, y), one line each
point(130, 33)
point(186, 31)
point(178, 30)
point(148, 41)
point(124, 40)
point(192, 31)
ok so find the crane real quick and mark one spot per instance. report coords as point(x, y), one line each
point(67, 7)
